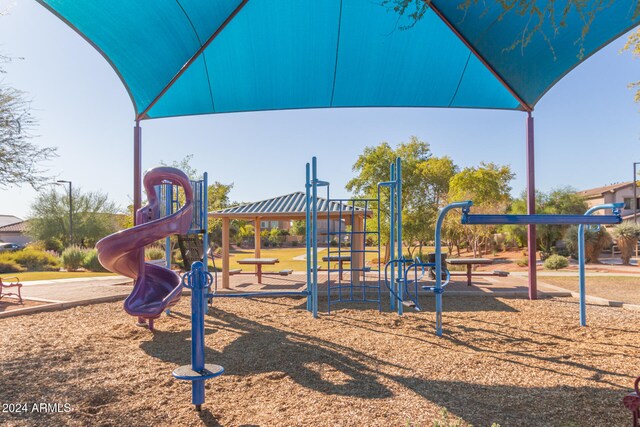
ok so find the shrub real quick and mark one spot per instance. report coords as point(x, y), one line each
point(10, 267)
point(154, 252)
point(627, 235)
point(91, 262)
point(556, 262)
point(595, 242)
point(523, 262)
point(334, 243)
point(72, 258)
point(294, 243)
point(35, 260)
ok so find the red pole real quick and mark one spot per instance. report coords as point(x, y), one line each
point(531, 209)
point(137, 169)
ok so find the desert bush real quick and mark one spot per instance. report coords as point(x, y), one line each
point(595, 242)
point(35, 260)
point(91, 262)
point(10, 267)
point(556, 262)
point(154, 252)
point(73, 258)
point(627, 235)
point(523, 262)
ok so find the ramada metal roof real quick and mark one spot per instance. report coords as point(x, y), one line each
point(287, 206)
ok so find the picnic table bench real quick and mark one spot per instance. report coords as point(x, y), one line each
point(470, 262)
point(14, 282)
point(259, 262)
point(340, 259)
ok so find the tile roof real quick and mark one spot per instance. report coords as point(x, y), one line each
point(18, 227)
point(601, 190)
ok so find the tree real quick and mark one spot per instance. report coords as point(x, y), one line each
point(424, 181)
point(20, 159)
point(299, 228)
point(217, 193)
point(94, 217)
point(563, 200)
point(547, 19)
point(488, 187)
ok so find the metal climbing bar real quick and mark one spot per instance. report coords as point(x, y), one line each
point(615, 209)
point(540, 219)
point(394, 281)
point(468, 219)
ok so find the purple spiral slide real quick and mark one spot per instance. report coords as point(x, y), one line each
point(155, 288)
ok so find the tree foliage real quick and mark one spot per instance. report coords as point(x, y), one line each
point(546, 19)
point(20, 159)
point(424, 182)
point(562, 200)
point(488, 186)
point(94, 217)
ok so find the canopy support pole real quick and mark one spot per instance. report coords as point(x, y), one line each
point(531, 209)
point(137, 170)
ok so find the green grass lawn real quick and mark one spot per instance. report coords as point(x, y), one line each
point(52, 275)
point(616, 288)
point(285, 255)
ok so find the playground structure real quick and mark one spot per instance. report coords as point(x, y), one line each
point(155, 288)
point(362, 283)
point(483, 219)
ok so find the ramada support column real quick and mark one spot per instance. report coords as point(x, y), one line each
point(357, 246)
point(256, 250)
point(225, 253)
point(137, 169)
point(531, 209)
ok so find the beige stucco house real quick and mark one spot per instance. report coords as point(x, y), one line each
point(614, 193)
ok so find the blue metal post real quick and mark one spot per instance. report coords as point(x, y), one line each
point(205, 216)
point(581, 259)
point(392, 244)
point(314, 240)
point(438, 237)
point(307, 236)
point(400, 287)
point(168, 188)
point(198, 301)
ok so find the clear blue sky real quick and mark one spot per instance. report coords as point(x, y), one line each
point(587, 126)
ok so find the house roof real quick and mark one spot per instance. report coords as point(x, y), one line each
point(599, 191)
point(8, 219)
point(288, 206)
point(18, 227)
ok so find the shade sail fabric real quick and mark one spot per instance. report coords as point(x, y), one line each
point(185, 57)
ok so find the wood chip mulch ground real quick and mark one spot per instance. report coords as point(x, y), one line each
point(508, 361)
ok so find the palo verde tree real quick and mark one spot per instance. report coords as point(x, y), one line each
point(20, 159)
point(94, 217)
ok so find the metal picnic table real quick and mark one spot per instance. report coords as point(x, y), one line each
point(259, 262)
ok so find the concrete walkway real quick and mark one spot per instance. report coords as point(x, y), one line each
point(76, 289)
point(65, 293)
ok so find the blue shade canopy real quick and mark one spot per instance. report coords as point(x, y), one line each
point(185, 57)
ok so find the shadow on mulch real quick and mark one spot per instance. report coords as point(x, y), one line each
point(483, 405)
point(258, 340)
point(11, 304)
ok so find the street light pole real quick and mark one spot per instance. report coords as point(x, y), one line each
point(61, 181)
